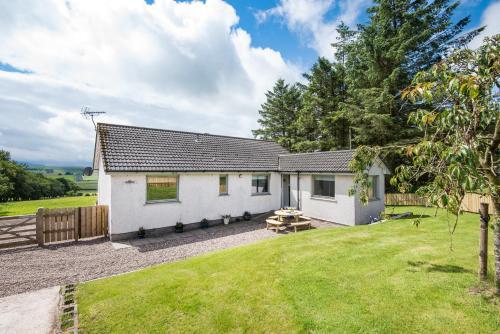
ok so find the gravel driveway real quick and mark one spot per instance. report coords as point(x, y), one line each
point(32, 268)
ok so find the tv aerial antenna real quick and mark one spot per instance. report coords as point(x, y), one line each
point(89, 114)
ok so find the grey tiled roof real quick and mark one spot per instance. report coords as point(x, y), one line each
point(134, 149)
point(331, 161)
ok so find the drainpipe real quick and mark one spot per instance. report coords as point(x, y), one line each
point(298, 190)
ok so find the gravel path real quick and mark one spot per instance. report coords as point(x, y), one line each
point(33, 268)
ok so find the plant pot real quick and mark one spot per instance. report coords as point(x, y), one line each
point(226, 221)
point(179, 228)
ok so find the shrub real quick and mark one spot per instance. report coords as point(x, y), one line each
point(179, 227)
point(204, 223)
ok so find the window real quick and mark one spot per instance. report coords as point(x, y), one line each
point(324, 185)
point(372, 187)
point(223, 185)
point(260, 184)
point(161, 188)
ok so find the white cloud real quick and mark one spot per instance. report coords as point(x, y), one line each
point(178, 65)
point(309, 19)
point(490, 19)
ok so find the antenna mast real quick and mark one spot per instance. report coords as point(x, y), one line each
point(89, 114)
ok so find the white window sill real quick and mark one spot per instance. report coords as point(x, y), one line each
point(260, 194)
point(324, 198)
point(162, 201)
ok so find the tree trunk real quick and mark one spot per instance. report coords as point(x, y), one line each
point(483, 241)
point(496, 237)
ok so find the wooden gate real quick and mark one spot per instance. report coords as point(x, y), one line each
point(53, 225)
point(17, 231)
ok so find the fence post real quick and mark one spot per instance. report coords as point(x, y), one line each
point(77, 223)
point(483, 241)
point(39, 226)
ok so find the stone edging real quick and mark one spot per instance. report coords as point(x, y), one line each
point(68, 320)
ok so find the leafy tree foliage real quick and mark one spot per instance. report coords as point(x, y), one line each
point(16, 183)
point(458, 112)
point(279, 113)
point(357, 98)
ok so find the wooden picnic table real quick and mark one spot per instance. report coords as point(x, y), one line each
point(285, 213)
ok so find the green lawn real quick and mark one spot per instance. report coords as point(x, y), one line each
point(29, 207)
point(385, 278)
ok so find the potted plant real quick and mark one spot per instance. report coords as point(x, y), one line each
point(179, 227)
point(141, 233)
point(226, 218)
point(204, 223)
point(247, 215)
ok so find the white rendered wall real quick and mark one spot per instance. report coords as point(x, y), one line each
point(375, 206)
point(103, 186)
point(340, 210)
point(198, 198)
point(344, 209)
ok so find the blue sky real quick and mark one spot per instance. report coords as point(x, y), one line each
point(200, 66)
point(274, 33)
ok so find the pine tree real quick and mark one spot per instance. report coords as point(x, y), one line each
point(401, 38)
point(323, 93)
point(279, 113)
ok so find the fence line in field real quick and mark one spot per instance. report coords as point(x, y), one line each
point(470, 203)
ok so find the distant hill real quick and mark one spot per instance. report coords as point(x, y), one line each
point(74, 173)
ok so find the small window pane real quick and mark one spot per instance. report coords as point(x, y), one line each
point(324, 185)
point(223, 184)
point(260, 184)
point(373, 186)
point(161, 188)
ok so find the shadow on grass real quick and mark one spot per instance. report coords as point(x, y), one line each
point(442, 268)
point(412, 217)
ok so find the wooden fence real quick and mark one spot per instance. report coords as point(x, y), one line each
point(470, 202)
point(17, 231)
point(54, 225)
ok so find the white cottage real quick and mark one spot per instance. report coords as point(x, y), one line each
point(154, 178)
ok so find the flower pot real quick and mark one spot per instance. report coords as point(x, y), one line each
point(226, 221)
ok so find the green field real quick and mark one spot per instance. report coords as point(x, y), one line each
point(87, 184)
point(29, 207)
point(385, 278)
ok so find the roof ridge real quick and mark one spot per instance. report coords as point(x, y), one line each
point(320, 152)
point(188, 132)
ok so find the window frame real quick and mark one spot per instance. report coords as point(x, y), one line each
point(169, 200)
point(373, 188)
point(268, 176)
point(227, 185)
point(323, 197)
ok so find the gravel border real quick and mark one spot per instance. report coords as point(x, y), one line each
point(33, 268)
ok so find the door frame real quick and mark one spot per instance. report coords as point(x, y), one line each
point(285, 196)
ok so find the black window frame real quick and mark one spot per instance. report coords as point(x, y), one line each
point(323, 192)
point(256, 178)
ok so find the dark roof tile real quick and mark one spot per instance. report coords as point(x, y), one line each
point(331, 161)
point(129, 148)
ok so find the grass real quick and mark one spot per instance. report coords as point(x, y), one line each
point(29, 207)
point(384, 278)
